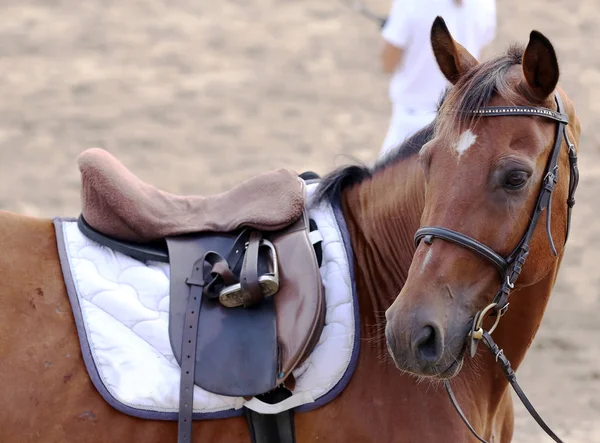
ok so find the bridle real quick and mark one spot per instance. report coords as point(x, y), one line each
point(511, 266)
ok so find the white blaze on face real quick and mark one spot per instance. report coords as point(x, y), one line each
point(465, 141)
point(426, 260)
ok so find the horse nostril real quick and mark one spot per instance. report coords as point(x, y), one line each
point(428, 345)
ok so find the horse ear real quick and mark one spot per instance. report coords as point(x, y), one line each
point(540, 66)
point(454, 60)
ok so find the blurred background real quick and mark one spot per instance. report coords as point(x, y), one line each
point(196, 96)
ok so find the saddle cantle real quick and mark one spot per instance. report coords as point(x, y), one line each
point(246, 298)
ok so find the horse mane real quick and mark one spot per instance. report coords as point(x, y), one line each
point(474, 90)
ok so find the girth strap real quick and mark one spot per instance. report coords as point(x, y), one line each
point(272, 428)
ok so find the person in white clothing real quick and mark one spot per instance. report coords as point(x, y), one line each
point(416, 83)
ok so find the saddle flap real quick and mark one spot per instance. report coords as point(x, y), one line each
point(246, 351)
point(236, 348)
point(300, 302)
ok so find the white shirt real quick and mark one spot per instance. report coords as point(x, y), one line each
point(418, 82)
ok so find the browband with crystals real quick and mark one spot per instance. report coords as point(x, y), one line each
point(492, 111)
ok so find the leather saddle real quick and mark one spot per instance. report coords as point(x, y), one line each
point(246, 305)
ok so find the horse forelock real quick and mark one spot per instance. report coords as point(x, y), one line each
point(475, 89)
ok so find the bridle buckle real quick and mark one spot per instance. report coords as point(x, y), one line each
point(510, 284)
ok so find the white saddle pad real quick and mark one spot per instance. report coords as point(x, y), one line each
point(121, 306)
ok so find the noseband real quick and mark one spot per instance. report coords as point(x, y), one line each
point(511, 266)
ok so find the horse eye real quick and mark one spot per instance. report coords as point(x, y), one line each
point(516, 180)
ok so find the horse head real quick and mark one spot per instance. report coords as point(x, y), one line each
point(484, 178)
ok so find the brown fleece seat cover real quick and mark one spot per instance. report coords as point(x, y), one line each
point(119, 204)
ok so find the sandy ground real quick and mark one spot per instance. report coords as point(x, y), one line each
point(196, 96)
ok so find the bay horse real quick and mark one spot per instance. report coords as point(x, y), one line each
point(479, 177)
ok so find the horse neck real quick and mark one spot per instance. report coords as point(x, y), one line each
point(382, 213)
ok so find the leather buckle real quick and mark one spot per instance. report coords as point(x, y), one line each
point(231, 296)
point(510, 284)
point(551, 179)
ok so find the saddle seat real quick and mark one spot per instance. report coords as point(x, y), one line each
point(120, 205)
point(246, 350)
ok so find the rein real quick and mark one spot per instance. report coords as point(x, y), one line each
point(510, 267)
point(510, 375)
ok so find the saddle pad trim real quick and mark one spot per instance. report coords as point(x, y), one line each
point(88, 358)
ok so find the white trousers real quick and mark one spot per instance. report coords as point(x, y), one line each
point(405, 122)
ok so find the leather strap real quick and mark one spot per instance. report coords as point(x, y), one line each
point(429, 232)
point(512, 379)
point(512, 274)
point(238, 248)
point(251, 289)
point(246, 245)
point(498, 111)
point(272, 428)
point(461, 414)
point(198, 286)
point(573, 178)
point(222, 269)
point(220, 272)
point(510, 375)
point(188, 352)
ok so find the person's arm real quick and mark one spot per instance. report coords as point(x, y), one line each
point(391, 57)
point(396, 35)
